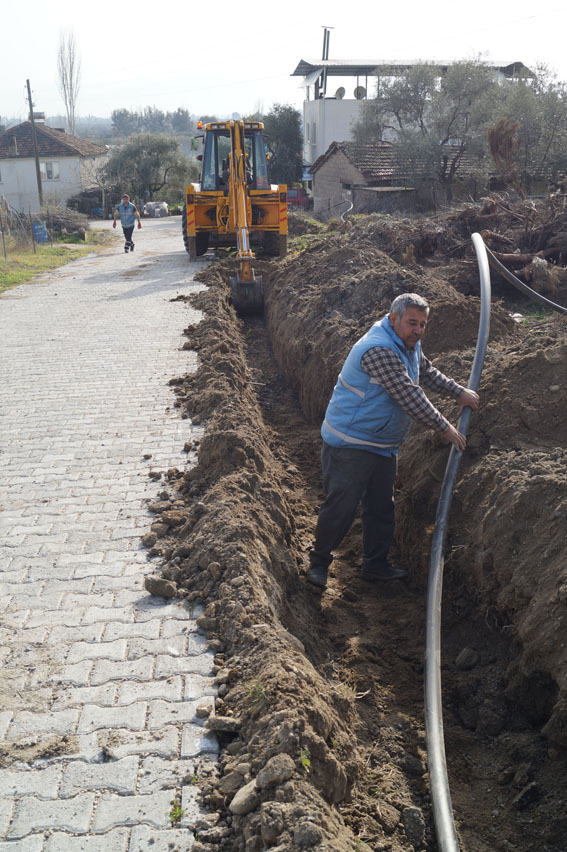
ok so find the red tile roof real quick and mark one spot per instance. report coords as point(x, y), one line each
point(18, 142)
point(380, 161)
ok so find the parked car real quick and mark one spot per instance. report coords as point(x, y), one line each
point(298, 197)
point(155, 208)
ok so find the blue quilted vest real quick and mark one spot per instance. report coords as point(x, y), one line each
point(361, 414)
point(127, 217)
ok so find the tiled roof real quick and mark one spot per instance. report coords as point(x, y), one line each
point(18, 142)
point(380, 161)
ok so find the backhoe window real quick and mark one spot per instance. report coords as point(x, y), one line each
point(216, 161)
point(258, 158)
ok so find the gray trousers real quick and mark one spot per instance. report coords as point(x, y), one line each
point(350, 478)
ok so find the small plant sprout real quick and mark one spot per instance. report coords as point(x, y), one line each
point(257, 692)
point(176, 813)
point(305, 759)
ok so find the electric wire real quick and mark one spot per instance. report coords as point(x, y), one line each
point(439, 783)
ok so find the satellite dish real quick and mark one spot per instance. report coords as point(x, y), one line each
point(340, 93)
point(360, 93)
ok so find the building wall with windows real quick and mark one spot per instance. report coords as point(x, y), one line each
point(60, 179)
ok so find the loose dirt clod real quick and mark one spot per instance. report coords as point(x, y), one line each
point(326, 748)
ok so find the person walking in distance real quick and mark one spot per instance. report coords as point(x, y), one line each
point(377, 395)
point(128, 215)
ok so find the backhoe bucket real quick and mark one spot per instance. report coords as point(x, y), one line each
point(247, 296)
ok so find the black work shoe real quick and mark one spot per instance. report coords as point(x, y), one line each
point(317, 576)
point(126, 249)
point(383, 572)
point(131, 246)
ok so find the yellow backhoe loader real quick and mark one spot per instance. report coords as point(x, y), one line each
point(234, 205)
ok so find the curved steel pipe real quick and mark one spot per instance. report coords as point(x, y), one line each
point(440, 794)
point(509, 276)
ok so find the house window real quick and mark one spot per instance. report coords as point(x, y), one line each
point(314, 133)
point(49, 171)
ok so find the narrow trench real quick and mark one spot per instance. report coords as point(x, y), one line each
point(503, 777)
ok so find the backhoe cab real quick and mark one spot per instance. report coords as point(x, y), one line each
point(234, 205)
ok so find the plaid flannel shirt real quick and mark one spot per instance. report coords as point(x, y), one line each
point(388, 368)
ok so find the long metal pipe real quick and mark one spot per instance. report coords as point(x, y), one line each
point(439, 783)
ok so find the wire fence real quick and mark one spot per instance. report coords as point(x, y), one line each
point(24, 231)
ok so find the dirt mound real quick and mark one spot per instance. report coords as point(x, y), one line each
point(320, 703)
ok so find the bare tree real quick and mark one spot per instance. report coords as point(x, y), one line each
point(69, 71)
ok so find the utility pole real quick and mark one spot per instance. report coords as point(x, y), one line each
point(34, 138)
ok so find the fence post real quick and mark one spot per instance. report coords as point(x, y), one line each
point(32, 235)
point(2, 231)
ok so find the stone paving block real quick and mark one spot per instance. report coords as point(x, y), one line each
point(30, 636)
point(199, 686)
point(168, 689)
point(175, 627)
point(112, 841)
point(189, 804)
point(113, 811)
point(91, 600)
point(141, 630)
point(197, 740)
point(118, 775)
point(129, 597)
point(49, 617)
point(43, 783)
point(96, 570)
point(82, 633)
point(154, 607)
point(32, 814)
point(106, 583)
point(15, 576)
point(78, 674)
point(104, 670)
point(75, 586)
point(199, 664)
point(169, 712)
point(105, 695)
point(131, 716)
point(50, 601)
point(6, 808)
point(163, 742)
point(26, 722)
point(159, 774)
point(33, 843)
point(145, 838)
point(97, 650)
point(176, 646)
point(95, 613)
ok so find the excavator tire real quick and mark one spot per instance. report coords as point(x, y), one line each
point(194, 246)
point(275, 245)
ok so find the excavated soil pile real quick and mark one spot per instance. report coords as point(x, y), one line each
point(320, 697)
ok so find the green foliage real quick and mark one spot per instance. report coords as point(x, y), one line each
point(176, 813)
point(434, 121)
point(127, 122)
point(305, 759)
point(148, 164)
point(283, 127)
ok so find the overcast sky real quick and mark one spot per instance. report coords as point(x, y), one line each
point(224, 57)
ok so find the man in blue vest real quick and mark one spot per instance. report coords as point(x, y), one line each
point(128, 216)
point(377, 395)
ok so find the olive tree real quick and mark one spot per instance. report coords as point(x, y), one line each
point(148, 164)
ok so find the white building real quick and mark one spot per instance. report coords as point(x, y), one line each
point(330, 117)
point(67, 165)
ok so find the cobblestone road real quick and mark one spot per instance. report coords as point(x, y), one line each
point(99, 682)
